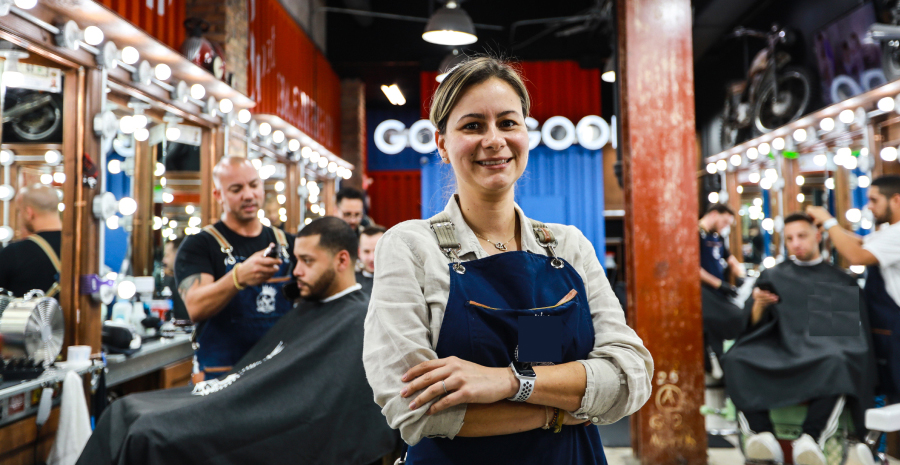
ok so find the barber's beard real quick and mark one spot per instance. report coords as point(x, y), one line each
point(317, 290)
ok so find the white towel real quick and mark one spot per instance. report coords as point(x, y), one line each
point(74, 423)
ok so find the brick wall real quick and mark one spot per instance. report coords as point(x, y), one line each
point(229, 28)
point(353, 129)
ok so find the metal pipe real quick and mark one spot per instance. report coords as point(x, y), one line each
point(416, 19)
point(37, 22)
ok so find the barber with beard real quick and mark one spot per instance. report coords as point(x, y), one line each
point(230, 288)
point(880, 253)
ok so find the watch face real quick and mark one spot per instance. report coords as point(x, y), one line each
point(524, 369)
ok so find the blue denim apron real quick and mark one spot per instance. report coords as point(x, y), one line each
point(884, 318)
point(227, 336)
point(488, 296)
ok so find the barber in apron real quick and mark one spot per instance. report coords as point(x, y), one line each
point(884, 317)
point(223, 339)
point(488, 297)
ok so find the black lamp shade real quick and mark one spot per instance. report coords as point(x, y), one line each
point(450, 26)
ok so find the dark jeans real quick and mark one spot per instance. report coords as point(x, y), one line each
point(817, 413)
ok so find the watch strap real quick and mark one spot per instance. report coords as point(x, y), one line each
point(829, 223)
point(526, 386)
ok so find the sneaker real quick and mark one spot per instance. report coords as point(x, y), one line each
point(807, 452)
point(763, 446)
point(859, 454)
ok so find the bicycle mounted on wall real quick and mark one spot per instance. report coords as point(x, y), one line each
point(773, 94)
point(889, 36)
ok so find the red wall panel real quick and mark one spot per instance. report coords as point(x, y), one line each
point(290, 78)
point(557, 88)
point(395, 196)
point(161, 19)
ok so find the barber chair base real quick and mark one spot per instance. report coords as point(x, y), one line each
point(788, 423)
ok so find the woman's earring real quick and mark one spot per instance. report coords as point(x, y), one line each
point(445, 160)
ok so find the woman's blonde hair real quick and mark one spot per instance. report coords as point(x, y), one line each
point(469, 73)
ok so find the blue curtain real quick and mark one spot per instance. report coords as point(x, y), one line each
point(116, 240)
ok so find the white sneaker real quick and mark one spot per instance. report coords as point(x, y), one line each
point(859, 454)
point(806, 451)
point(763, 446)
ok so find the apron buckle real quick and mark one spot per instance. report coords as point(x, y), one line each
point(452, 253)
point(229, 260)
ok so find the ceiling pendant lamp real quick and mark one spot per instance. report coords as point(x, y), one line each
point(450, 26)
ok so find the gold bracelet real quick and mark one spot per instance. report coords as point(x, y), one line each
point(237, 285)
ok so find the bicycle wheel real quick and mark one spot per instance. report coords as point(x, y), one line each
point(794, 90)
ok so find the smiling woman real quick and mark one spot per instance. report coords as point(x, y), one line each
point(544, 350)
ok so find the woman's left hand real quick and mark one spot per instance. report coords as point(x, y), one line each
point(466, 383)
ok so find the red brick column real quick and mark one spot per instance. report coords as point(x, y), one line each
point(353, 129)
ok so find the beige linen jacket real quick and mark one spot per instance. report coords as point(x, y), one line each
point(410, 293)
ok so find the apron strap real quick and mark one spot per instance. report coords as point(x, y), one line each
point(447, 240)
point(280, 237)
point(224, 245)
point(545, 237)
point(54, 259)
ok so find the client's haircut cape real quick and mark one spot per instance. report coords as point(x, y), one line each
point(777, 363)
point(302, 398)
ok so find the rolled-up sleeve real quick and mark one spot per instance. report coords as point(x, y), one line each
point(619, 368)
point(397, 337)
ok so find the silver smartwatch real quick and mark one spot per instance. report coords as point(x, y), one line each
point(829, 223)
point(527, 377)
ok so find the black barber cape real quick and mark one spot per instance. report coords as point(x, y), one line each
point(302, 398)
point(815, 342)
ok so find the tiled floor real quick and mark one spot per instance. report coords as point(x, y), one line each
point(623, 456)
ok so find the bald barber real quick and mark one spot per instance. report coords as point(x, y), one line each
point(33, 262)
point(229, 287)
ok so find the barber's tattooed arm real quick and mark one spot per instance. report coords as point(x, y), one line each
point(204, 296)
point(186, 285)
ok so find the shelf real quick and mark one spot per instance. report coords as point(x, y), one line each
point(48, 378)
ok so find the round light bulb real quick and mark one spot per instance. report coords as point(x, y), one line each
point(735, 160)
point(752, 153)
point(886, 104)
point(800, 135)
point(764, 148)
point(162, 181)
point(282, 211)
point(7, 157)
point(126, 290)
point(173, 133)
point(26, 4)
point(160, 169)
point(281, 199)
point(721, 165)
point(820, 160)
point(61, 207)
point(800, 180)
point(754, 177)
point(829, 183)
point(306, 152)
point(112, 222)
point(141, 134)
point(863, 181)
point(851, 162)
point(865, 223)
point(225, 105)
point(198, 91)
point(127, 206)
point(765, 183)
point(173, 224)
point(130, 55)
point(126, 124)
point(163, 72)
point(323, 162)
point(168, 197)
point(139, 121)
point(771, 174)
point(768, 224)
point(52, 157)
point(265, 129)
point(244, 116)
point(769, 262)
point(332, 167)
point(713, 197)
point(853, 215)
point(278, 137)
point(757, 202)
point(47, 178)
point(778, 143)
point(7, 192)
point(279, 186)
point(59, 177)
point(889, 153)
point(93, 35)
point(257, 163)
point(801, 198)
point(293, 145)
point(827, 124)
point(846, 116)
point(740, 189)
point(114, 167)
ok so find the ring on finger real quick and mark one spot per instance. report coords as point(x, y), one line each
point(445, 387)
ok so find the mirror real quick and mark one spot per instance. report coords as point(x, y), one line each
point(754, 238)
point(32, 157)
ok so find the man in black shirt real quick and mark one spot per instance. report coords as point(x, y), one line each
point(351, 208)
point(227, 283)
point(367, 240)
point(33, 263)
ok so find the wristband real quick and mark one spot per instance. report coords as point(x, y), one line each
point(829, 223)
point(560, 417)
point(237, 285)
point(551, 423)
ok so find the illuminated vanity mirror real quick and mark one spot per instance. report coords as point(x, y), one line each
point(35, 118)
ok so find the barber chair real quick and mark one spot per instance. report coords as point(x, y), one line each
point(880, 421)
